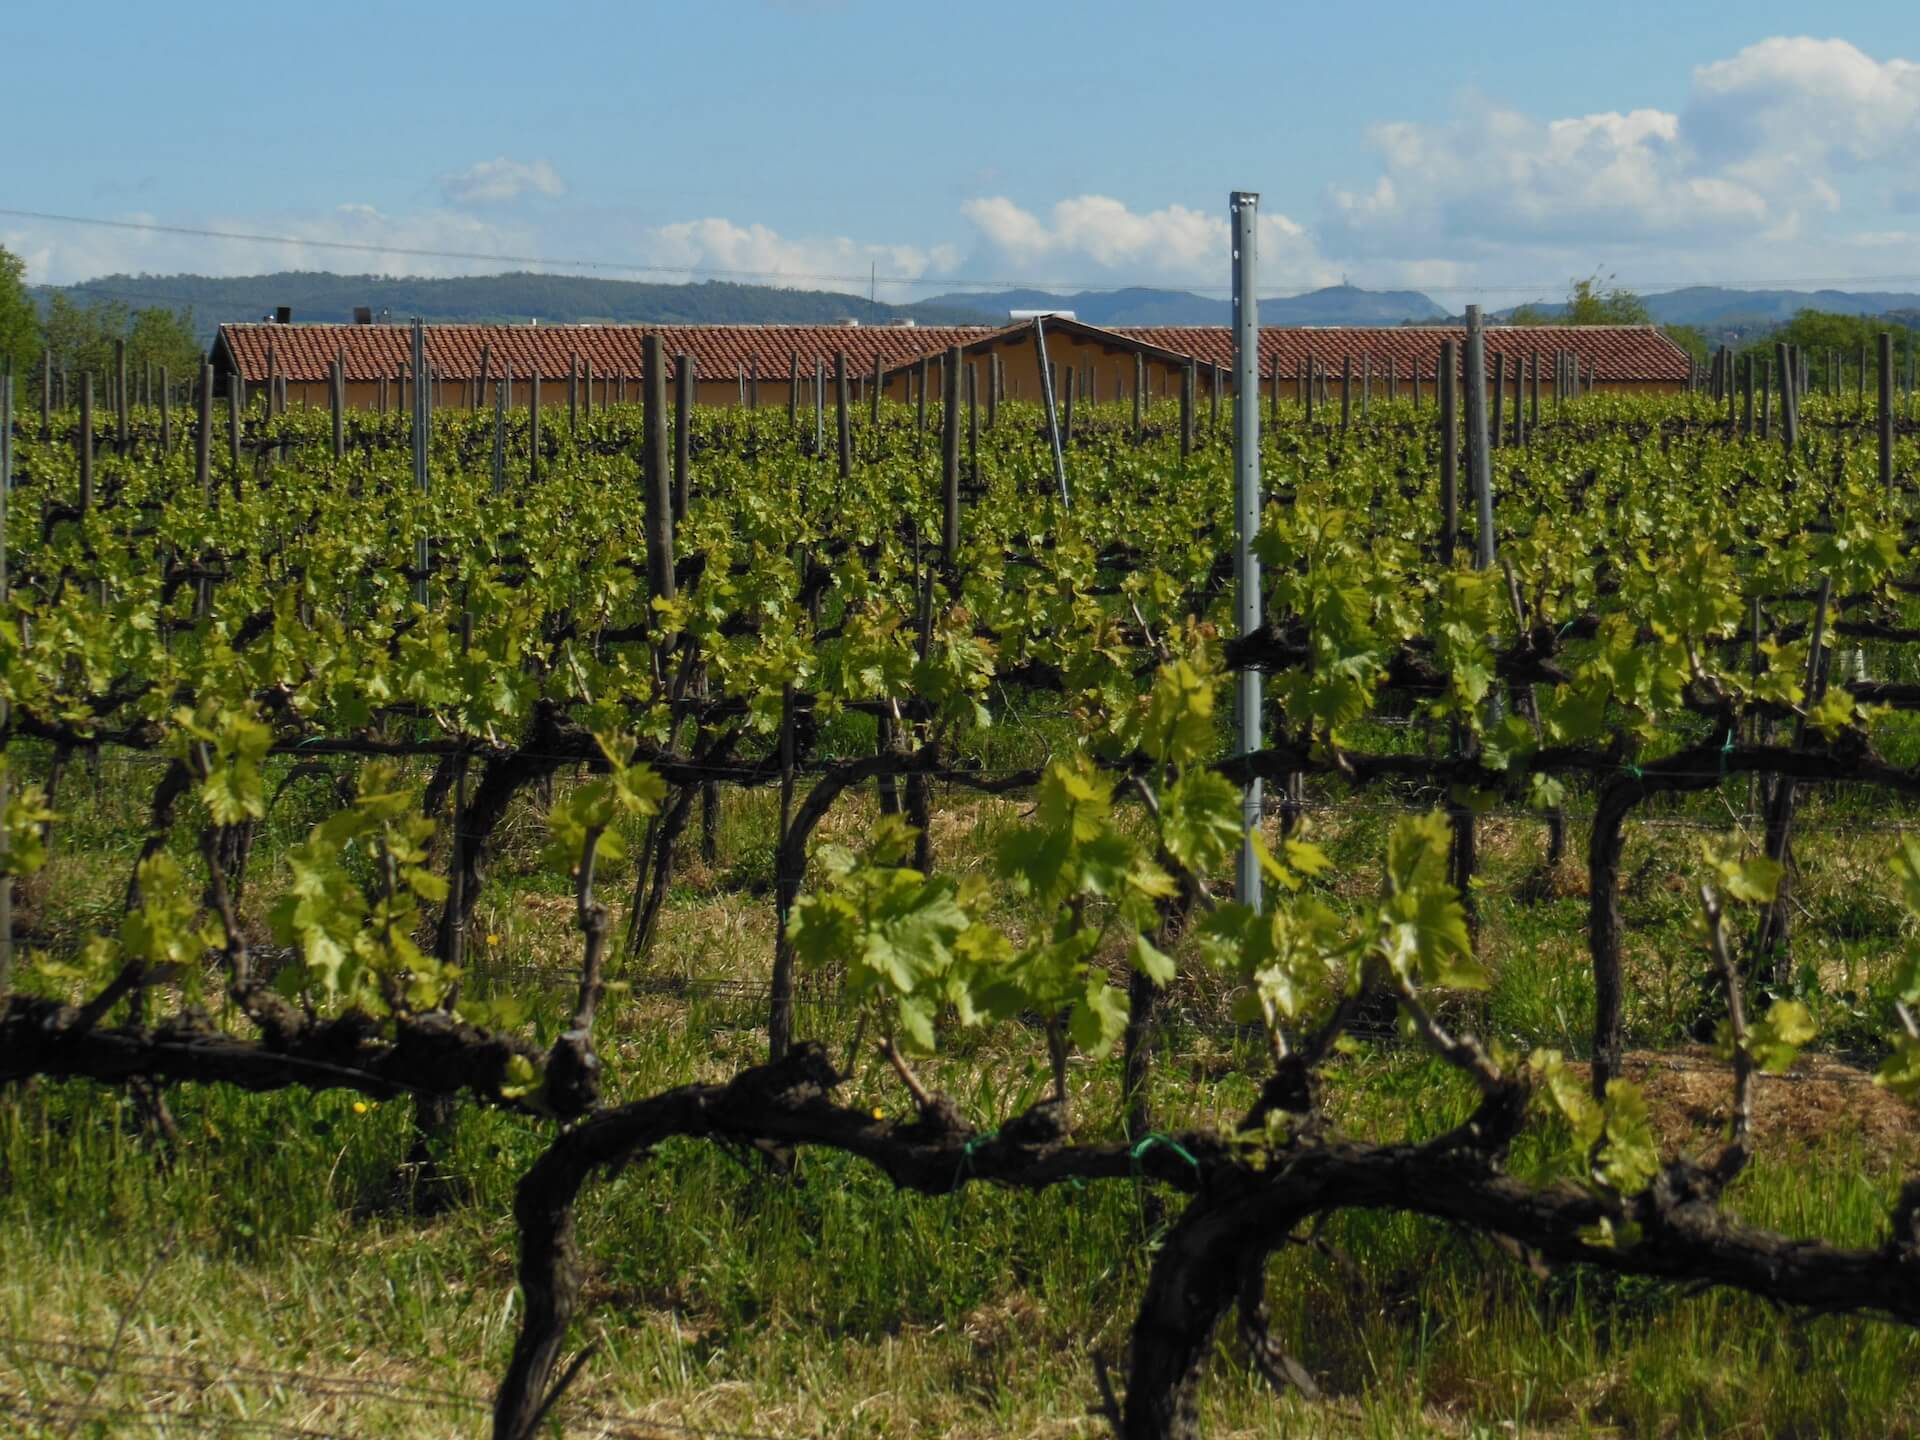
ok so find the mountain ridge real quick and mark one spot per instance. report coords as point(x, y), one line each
point(521, 296)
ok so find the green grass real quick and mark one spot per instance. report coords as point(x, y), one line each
point(727, 1297)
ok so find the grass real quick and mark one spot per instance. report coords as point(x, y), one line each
point(726, 1298)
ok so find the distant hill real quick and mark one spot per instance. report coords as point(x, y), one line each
point(1713, 305)
point(1137, 305)
point(554, 299)
point(1717, 308)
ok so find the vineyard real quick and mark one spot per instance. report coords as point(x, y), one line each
point(724, 922)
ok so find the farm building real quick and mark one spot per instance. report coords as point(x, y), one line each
point(1098, 364)
point(1621, 358)
point(727, 359)
point(736, 364)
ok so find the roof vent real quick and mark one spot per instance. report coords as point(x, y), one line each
point(283, 314)
point(1040, 315)
point(903, 324)
point(363, 314)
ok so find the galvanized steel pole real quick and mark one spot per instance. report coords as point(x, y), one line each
point(1245, 208)
point(1046, 394)
point(420, 413)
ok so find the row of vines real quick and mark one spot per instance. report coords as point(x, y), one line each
point(562, 618)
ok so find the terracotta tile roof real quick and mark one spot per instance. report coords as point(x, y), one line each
point(1618, 352)
point(305, 352)
point(1131, 338)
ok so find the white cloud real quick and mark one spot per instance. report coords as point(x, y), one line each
point(351, 238)
point(763, 255)
point(499, 180)
point(1494, 178)
point(1800, 102)
point(1760, 167)
point(1095, 237)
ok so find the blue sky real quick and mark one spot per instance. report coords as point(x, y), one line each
point(1488, 150)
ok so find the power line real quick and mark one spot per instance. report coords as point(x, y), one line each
point(870, 279)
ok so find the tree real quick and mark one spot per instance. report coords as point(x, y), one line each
point(1824, 335)
point(161, 337)
point(1592, 302)
point(1689, 339)
point(1596, 300)
point(79, 338)
point(19, 325)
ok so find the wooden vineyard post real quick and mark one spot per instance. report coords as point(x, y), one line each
point(753, 384)
point(1139, 394)
point(480, 388)
point(1311, 387)
point(586, 398)
point(683, 392)
point(203, 437)
point(1789, 400)
point(1187, 380)
point(573, 395)
point(950, 461)
point(1746, 394)
point(120, 396)
point(336, 400)
point(1766, 399)
point(166, 414)
point(46, 396)
point(499, 440)
point(819, 408)
point(1213, 399)
point(973, 426)
point(842, 420)
point(1366, 386)
point(1393, 379)
point(1449, 452)
point(873, 400)
point(1519, 402)
point(1494, 436)
point(83, 442)
point(1346, 392)
point(653, 449)
point(1416, 383)
point(236, 402)
point(533, 426)
point(1885, 417)
point(6, 878)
